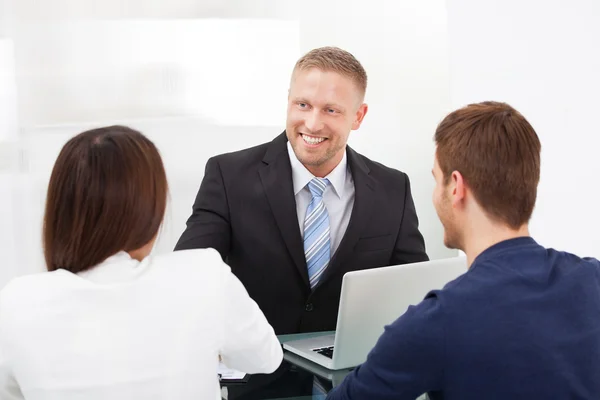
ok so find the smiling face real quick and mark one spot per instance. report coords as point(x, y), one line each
point(323, 107)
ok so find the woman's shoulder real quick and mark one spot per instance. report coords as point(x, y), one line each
point(203, 263)
point(28, 289)
point(209, 258)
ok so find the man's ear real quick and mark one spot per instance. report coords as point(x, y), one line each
point(360, 115)
point(458, 189)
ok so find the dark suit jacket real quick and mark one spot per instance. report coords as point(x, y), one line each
point(246, 210)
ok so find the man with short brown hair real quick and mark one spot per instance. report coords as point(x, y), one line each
point(292, 216)
point(524, 321)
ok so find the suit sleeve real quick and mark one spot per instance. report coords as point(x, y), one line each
point(406, 362)
point(410, 246)
point(209, 225)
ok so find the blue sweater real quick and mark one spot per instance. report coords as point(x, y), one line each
point(522, 323)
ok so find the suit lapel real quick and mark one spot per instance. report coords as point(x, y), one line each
point(276, 178)
point(364, 191)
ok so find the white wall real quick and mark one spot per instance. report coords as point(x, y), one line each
point(193, 97)
point(162, 80)
point(542, 57)
point(8, 93)
point(102, 70)
point(8, 160)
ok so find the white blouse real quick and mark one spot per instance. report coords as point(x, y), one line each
point(129, 330)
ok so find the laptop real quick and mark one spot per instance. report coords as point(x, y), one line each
point(370, 300)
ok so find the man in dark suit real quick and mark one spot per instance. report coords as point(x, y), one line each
point(292, 216)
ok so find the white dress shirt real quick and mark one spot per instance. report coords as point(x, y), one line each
point(338, 196)
point(128, 330)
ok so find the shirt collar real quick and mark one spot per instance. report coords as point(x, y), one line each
point(119, 267)
point(510, 244)
point(301, 176)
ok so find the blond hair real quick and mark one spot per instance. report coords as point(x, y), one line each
point(336, 60)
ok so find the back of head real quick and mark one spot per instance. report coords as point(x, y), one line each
point(334, 59)
point(498, 154)
point(107, 193)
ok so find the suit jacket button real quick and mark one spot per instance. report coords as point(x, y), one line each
point(309, 307)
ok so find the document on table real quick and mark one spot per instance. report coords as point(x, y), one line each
point(228, 374)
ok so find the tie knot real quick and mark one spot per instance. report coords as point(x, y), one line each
point(317, 186)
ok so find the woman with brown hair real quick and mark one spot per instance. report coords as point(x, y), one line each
point(109, 321)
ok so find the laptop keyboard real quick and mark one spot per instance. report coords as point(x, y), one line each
point(326, 351)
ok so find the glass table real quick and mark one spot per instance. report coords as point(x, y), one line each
point(294, 379)
point(289, 382)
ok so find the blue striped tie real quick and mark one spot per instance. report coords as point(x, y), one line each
point(317, 246)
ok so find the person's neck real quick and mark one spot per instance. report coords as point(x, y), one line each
point(484, 237)
point(142, 252)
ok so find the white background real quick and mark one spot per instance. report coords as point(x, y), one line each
point(542, 57)
point(205, 77)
